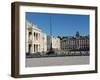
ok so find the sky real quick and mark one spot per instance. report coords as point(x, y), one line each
point(62, 24)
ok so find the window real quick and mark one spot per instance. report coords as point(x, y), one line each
point(29, 48)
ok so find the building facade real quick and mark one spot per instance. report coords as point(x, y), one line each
point(76, 42)
point(36, 40)
point(55, 43)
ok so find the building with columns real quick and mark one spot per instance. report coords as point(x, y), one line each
point(76, 42)
point(36, 40)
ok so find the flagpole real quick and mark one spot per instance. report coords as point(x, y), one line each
point(51, 49)
point(50, 34)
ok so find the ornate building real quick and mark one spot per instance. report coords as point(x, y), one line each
point(76, 42)
point(36, 40)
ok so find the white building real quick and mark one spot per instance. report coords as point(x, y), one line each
point(36, 40)
point(55, 42)
point(77, 42)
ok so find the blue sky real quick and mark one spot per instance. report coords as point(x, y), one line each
point(62, 24)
